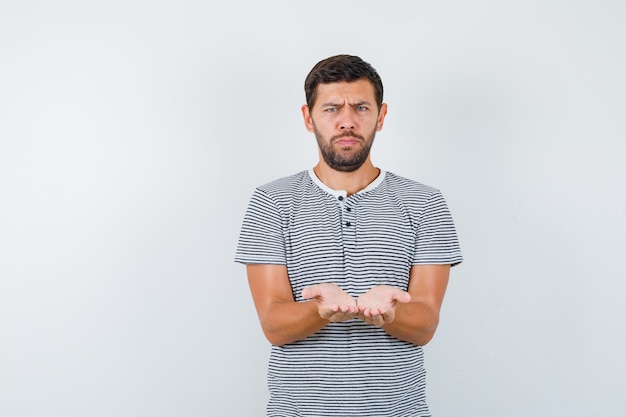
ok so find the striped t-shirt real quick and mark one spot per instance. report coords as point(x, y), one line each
point(370, 238)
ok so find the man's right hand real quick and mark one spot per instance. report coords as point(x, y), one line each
point(333, 303)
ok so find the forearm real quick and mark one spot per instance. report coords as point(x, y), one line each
point(414, 322)
point(289, 321)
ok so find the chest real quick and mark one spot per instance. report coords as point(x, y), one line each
point(355, 243)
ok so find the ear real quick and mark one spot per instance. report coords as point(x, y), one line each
point(306, 115)
point(381, 117)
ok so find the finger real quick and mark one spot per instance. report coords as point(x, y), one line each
point(383, 318)
point(340, 316)
point(361, 307)
point(376, 319)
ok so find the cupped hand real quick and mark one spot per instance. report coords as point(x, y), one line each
point(333, 303)
point(378, 305)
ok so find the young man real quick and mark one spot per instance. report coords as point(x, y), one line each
point(347, 264)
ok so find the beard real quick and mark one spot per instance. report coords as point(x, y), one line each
point(346, 158)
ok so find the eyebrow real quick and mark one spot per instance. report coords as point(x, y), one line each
point(358, 103)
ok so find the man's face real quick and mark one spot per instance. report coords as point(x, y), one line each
point(345, 119)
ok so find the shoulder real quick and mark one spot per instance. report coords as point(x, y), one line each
point(272, 200)
point(285, 184)
point(405, 187)
point(283, 191)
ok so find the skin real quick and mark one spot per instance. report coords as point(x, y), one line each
point(345, 119)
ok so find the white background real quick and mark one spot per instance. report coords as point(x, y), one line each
point(132, 134)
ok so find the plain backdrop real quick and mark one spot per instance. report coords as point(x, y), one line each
point(132, 134)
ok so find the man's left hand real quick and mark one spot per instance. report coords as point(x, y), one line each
point(378, 305)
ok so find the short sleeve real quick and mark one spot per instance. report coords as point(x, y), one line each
point(437, 241)
point(261, 240)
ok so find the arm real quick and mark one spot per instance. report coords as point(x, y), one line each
point(414, 321)
point(284, 320)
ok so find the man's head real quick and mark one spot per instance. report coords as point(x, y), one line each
point(345, 110)
point(347, 68)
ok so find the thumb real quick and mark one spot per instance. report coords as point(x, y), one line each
point(311, 292)
point(402, 296)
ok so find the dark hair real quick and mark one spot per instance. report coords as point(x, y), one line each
point(339, 68)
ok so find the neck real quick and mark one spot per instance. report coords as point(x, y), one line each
point(351, 182)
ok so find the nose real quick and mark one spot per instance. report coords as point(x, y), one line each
point(347, 120)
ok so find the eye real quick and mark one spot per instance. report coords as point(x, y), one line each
point(361, 108)
point(330, 109)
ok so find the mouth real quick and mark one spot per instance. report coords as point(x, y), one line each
point(347, 140)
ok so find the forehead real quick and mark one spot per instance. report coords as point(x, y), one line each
point(356, 91)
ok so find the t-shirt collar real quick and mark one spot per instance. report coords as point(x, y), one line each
point(344, 193)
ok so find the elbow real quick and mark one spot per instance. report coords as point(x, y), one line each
point(419, 338)
point(276, 339)
point(424, 338)
point(426, 333)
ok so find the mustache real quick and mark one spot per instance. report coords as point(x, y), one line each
point(347, 135)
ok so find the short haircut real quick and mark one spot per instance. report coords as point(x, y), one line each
point(338, 68)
